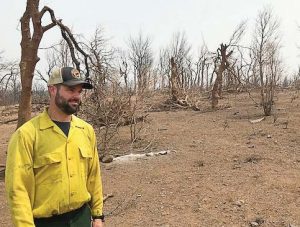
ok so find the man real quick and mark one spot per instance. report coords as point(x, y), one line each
point(52, 171)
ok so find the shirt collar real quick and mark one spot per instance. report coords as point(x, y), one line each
point(46, 122)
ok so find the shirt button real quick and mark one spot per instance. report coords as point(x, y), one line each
point(69, 158)
point(72, 193)
point(71, 175)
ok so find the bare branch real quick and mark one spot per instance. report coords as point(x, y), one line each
point(237, 34)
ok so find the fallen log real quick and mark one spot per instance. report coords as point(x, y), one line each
point(8, 121)
point(106, 197)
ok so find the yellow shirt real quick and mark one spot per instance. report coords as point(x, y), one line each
point(48, 173)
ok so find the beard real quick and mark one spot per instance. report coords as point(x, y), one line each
point(65, 105)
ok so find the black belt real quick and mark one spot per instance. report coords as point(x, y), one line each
point(65, 217)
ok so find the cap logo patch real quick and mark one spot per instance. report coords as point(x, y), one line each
point(75, 73)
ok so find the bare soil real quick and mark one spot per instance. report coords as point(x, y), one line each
point(222, 170)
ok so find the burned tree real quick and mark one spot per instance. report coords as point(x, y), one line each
point(9, 82)
point(179, 50)
point(224, 64)
point(266, 46)
point(164, 68)
point(124, 67)
point(202, 65)
point(101, 57)
point(141, 57)
point(175, 88)
point(222, 59)
point(174, 62)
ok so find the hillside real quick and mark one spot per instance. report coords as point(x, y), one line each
point(221, 169)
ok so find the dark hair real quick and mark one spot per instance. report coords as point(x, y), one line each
point(58, 86)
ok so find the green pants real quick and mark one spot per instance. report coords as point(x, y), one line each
point(81, 219)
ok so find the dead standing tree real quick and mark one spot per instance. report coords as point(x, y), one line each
point(266, 51)
point(173, 62)
point(180, 49)
point(176, 90)
point(223, 54)
point(123, 67)
point(141, 57)
point(201, 65)
point(101, 58)
point(9, 83)
point(217, 88)
point(32, 32)
point(164, 68)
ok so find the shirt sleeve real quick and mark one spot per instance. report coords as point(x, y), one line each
point(94, 184)
point(19, 180)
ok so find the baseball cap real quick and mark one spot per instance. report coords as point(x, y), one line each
point(68, 76)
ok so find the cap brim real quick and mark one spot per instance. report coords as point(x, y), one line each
point(85, 84)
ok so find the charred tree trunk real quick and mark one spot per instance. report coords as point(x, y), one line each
point(215, 91)
point(202, 73)
point(175, 88)
point(29, 58)
point(217, 88)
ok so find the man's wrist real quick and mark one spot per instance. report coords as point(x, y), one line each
point(100, 217)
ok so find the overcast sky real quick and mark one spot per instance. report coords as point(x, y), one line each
point(211, 20)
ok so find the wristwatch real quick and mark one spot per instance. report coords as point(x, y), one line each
point(101, 217)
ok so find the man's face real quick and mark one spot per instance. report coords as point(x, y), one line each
point(68, 99)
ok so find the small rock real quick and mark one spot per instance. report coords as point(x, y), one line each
point(269, 136)
point(253, 224)
point(163, 152)
point(162, 129)
point(237, 166)
point(292, 225)
point(107, 159)
point(251, 146)
point(239, 203)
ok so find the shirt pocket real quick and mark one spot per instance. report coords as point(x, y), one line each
point(85, 151)
point(47, 168)
point(85, 159)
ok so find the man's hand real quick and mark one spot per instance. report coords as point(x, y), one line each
point(97, 223)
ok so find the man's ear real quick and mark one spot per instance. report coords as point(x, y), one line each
point(51, 90)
